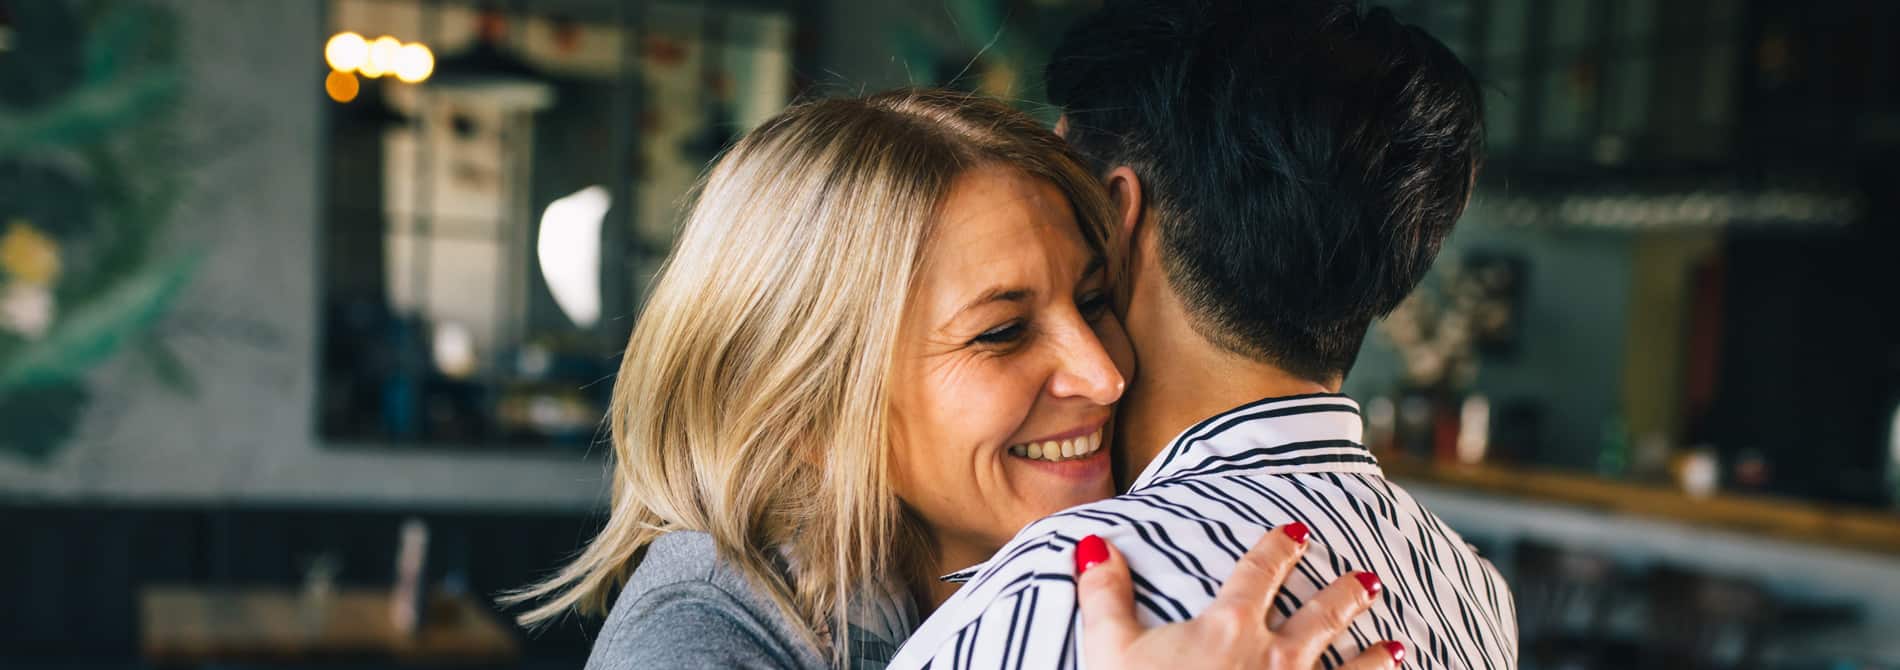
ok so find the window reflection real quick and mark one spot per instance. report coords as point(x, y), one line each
point(490, 226)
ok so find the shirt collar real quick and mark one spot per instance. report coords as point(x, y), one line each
point(965, 574)
point(1284, 435)
point(1319, 432)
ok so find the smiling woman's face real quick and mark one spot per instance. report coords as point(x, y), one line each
point(1008, 367)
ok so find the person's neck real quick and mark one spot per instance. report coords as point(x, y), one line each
point(927, 589)
point(1183, 379)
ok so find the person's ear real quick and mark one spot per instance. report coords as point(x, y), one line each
point(1124, 190)
point(1062, 126)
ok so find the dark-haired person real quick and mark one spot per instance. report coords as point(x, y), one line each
point(1284, 173)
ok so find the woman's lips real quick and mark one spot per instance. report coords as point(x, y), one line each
point(1059, 450)
point(1089, 469)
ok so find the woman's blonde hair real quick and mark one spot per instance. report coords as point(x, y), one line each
point(752, 399)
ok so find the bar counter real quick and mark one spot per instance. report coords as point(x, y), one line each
point(1804, 552)
point(1759, 516)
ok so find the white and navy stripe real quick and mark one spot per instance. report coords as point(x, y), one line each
point(1215, 490)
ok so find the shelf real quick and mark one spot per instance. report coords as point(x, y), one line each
point(1783, 518)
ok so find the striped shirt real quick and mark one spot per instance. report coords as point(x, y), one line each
point(1204, 500)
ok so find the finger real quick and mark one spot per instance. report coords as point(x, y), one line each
point(1325, 616)
point(1381, 656)
point(1261, 571)
point(1106, 596)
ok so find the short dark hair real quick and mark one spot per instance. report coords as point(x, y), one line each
point(1307, 157)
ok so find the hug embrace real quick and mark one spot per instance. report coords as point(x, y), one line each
point(927, 384)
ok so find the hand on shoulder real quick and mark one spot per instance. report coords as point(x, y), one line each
point(1233, 632)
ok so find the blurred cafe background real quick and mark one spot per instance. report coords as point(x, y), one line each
point(309, 310)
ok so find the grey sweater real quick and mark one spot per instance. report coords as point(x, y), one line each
point(683, 607)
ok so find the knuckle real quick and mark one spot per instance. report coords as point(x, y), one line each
point(1224, 625)
point(1099, 592)
point(1265, 562)
point(1336, 614)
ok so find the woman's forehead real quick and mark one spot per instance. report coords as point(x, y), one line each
point(1001, 230)
point(999, 192)
point(996, 210)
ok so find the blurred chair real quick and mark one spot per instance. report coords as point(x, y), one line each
point(1697, 620)
point(1564, 602)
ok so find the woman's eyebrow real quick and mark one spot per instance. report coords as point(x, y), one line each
point(1016, 294)
point(1019, 294)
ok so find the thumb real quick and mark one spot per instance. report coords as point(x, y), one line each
point(1106, 597)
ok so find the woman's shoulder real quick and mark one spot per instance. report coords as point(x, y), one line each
point(683, 607)
point(681, 557)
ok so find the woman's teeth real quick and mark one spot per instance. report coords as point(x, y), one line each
point(1060, 450)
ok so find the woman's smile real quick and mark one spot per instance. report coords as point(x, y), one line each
point(1066, 465)
point(1081, 467)
point(1065, 447)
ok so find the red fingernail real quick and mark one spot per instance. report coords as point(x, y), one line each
point(1090, 551)
point(1371, 582)
point(1397, 650)
point(1297, 531)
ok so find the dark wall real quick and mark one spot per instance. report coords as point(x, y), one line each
point(1810, 372)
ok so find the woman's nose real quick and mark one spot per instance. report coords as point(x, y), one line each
point(1084, 369)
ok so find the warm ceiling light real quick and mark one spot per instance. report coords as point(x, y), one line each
point(414, 62)
point(341, 86)
point(346, 51)
point(382, 57)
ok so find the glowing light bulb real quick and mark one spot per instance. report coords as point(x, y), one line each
point(346, 51)
point(454, 349)
point(414, 63)
point(382, 57)
point(341, 86)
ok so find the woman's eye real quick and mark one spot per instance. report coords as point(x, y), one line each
point(1003, 334)
point(1093, 305)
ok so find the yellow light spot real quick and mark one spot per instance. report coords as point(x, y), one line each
point(346, 51)
point(341, 86)
point(414, 63)
point(998, 80)
point(28, 254)
point(382, 57)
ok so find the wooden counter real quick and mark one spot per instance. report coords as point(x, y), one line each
point(1784, 518)
point(187, 626)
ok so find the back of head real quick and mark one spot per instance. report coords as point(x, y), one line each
point(1306, 158)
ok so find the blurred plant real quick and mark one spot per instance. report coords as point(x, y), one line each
point(1435, 331)
point(88, 180)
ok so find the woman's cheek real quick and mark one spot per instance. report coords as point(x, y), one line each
point(974, 400)
point(1003, 405)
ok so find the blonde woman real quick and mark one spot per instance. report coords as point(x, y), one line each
point(881, 347)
